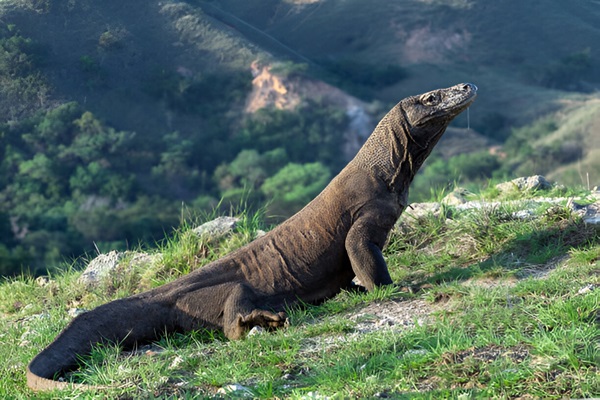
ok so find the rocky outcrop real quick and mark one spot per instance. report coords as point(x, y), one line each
point(588, 212)
point(217, 228)
point(287, 91)
point(535, 182)
point(104, 265)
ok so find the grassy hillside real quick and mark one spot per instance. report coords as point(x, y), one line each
point(563, 145)
point(114, 57)
point(489, 304)
point(476, 38)
point(525, 57)
point(528, 59)
point(115, 117)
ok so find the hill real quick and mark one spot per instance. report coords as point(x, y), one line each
point(497, 297)
point(113, 115)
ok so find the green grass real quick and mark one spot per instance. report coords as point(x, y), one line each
point(515, 311)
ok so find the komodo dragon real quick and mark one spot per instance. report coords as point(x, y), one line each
point(310, 257)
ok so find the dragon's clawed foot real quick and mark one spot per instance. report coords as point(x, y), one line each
point(266, 319)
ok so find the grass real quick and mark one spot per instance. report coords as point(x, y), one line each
point(515, 311)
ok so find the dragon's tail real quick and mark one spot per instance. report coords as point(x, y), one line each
point(125, 321)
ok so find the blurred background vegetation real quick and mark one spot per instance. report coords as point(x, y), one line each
point(118, 120)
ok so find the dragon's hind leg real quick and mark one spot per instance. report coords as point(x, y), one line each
point(241, 313)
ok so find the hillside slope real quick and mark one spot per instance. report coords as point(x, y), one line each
point(439, 42)
point(114, 56)
point(496, 299)
point(528, 58)
point(118, 117)
point(125, 61)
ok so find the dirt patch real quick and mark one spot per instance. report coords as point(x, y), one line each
point(393, 314)
point(488, 354)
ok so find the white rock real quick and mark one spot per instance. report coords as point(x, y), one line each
point(74, 312)
point(216, 228)
point(535, 182)
point(256, 330)
point(587, 288)
point(523, 215)
point(415, 352)
point(177, 361)
point(235, 387)
point(42, 281)
point(100, 267)
point(456, 197)
point(105, 264)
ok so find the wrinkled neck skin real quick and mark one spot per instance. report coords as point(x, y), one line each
point(393, 154)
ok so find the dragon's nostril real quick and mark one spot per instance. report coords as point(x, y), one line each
point(470, 86)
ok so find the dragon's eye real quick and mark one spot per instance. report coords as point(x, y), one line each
point(429, 99)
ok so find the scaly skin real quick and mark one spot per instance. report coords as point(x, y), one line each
point(310, 257)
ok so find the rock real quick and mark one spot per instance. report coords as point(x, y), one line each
point(235, 388)
point(74, 312)
point(177, 361)
point(256, 330)
point(43, 315)
point(217, 228)
point(415, 352)
point(385, 321)
point(456, 197)
point(314, 395)
point(105, 264)
point(588, 288)
point(535, 182)
point(592, 214)
point(152, 352)
point(100, 267)
point(42, 281)
point(524, 215)
point(141, 259)
point(420, 210)
point(381, 395)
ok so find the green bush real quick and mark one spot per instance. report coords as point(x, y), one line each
point(294, 186)
point(23, 90)
point(521, 139)
point(209, 95)
point(311, 133)
point(61, 167)
point(568, 73)
point(474, 166)
point(439, 174)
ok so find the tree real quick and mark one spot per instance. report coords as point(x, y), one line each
point(310, 134)
point(294, 186)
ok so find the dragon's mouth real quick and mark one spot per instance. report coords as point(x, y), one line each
point(461, 96)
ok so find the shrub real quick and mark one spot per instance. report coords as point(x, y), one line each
point(294, 186)
point(568, 73)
